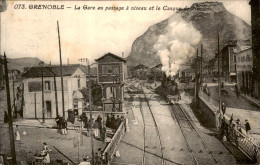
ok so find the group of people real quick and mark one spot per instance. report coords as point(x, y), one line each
point(62, 124)
point(228, 129)
point(98, 159)
point(97, 125)
point(113, 122)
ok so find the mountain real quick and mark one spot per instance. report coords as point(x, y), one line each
point(21, 63)
point(207, 17)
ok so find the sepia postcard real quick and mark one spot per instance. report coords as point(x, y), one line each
point(130, 82)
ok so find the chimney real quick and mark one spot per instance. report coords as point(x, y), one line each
point(50, 62)
point(68, 61)
point(123, 55)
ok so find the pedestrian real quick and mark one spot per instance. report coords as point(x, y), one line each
point(96, 129)
point(17, 134)
point(118, 122)
point(64, 126)
point(85, 161)
point(99, 119)
point(89, 126)
point(108, 121)
point(231, 120)
point(223, 108)
point(99, 157)
point(86, 122)
point(113, 122)
point(6, 118)
point(103, 132)
point(122, 119)
point(239, 126)
point(248, 127)
point(45, 152)
point(57, 119)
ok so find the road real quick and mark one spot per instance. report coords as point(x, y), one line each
point(32, 142)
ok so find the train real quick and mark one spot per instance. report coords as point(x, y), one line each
point(170, 89)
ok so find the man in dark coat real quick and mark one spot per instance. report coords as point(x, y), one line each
point(99, 119)
point(118, 122)
point(58, 121)
point(247, 126)
point(108, 122)
point(113, 122)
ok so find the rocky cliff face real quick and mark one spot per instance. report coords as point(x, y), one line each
point(207, 17)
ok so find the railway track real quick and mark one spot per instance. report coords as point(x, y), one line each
point(195, 143)
point(150, 155)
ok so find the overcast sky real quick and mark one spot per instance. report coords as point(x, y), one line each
point(85, 34)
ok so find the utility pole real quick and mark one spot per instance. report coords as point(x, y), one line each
point(201, 61)
point(196, 77)
point(62, 88)
point(56, 96)
point(219, 92)
point(43, 111)
point(14, 110)
point(55, 89)
point(35, 105)
point(11, 132)
point(90, 109)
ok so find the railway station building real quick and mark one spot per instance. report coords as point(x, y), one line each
point(112, 74)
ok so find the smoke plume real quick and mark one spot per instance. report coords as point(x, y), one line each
point(177, 44)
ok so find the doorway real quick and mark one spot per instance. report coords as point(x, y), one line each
point(48, 109)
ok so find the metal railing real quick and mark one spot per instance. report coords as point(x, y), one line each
point(244, 143)
point(241, 140)
point(110, 149)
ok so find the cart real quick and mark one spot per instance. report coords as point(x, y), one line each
point(38, 159)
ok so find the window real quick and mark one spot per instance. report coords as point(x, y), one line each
point(75, 107)
point(78, 83)
point(110, 69)
point(47, 86)
point(34, 86)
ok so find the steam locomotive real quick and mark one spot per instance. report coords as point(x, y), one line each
point(170, 89)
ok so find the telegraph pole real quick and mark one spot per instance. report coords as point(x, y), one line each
point(196, 76)
point(219, 92)
point(90, 115)
point(43, 110)
point(11, 132)
point(201, 70)
point(62, 88)
point(15, 113)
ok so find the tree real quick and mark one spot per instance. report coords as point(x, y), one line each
point(96, 93)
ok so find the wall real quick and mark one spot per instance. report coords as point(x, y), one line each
point(207, 113)
point(29, 98)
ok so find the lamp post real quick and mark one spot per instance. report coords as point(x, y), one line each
point(43, 111)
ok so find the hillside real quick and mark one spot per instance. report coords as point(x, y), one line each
point(21, 63)
point(207, 17)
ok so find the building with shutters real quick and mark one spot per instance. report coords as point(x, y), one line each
point(244, 63)
point(74, 79)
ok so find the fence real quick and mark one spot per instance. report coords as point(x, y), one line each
point(242, 141)
point(110, 149)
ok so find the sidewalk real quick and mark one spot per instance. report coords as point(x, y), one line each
point(251, 99)
point(49, 123)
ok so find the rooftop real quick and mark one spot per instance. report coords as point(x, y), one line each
point(51, 70)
